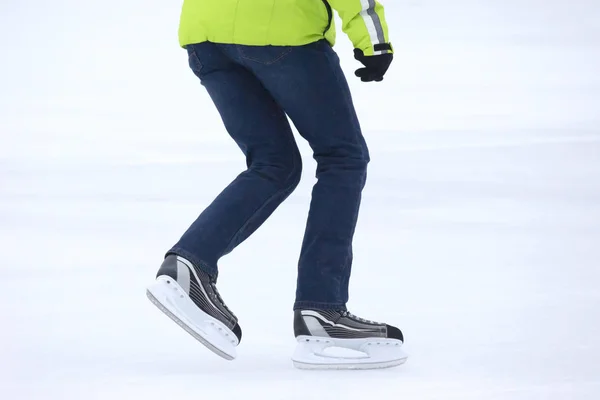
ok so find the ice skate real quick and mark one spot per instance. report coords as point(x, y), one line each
point(318, 332)
point(190, 298)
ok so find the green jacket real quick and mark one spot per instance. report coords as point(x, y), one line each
point(283, 22)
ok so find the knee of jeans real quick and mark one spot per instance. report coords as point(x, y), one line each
point(366, 155)
point(364, 151)
point(346, 170)
point(358, 165)
point(295, 173)
point(353, 162)
point(284, 174)
point(355, 156)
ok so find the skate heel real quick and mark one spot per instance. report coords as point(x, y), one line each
point(370, 353)
point(166, 294)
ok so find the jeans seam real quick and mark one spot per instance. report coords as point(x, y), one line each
point(347, 95)
point(282, 55)
point(193, 57)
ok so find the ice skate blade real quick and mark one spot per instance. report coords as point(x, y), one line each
point(376, 353)
point(166, 294)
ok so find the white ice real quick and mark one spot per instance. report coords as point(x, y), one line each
point(479, 233)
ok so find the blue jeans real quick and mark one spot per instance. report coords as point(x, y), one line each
point(253, 88)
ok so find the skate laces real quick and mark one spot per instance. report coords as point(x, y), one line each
point(217, 296)
point(348, 314)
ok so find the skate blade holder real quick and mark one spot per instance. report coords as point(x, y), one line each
point(172, 300)
point(328, 353)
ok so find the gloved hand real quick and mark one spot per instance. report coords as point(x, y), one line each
point(375, 66)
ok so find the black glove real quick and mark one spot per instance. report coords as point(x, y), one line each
point(376, 66)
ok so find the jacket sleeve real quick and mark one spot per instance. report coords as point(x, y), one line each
point(364, 23)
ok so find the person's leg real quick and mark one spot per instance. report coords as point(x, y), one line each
point(261, 130)
point(310, 86)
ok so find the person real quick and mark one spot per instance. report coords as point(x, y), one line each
point(262, 61)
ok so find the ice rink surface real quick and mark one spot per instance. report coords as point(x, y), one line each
point(479, 234)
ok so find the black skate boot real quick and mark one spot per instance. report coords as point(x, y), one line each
point(190, 298)
point(378, 345)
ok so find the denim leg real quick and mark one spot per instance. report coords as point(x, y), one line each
point(260, 128)
point(310, 86)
